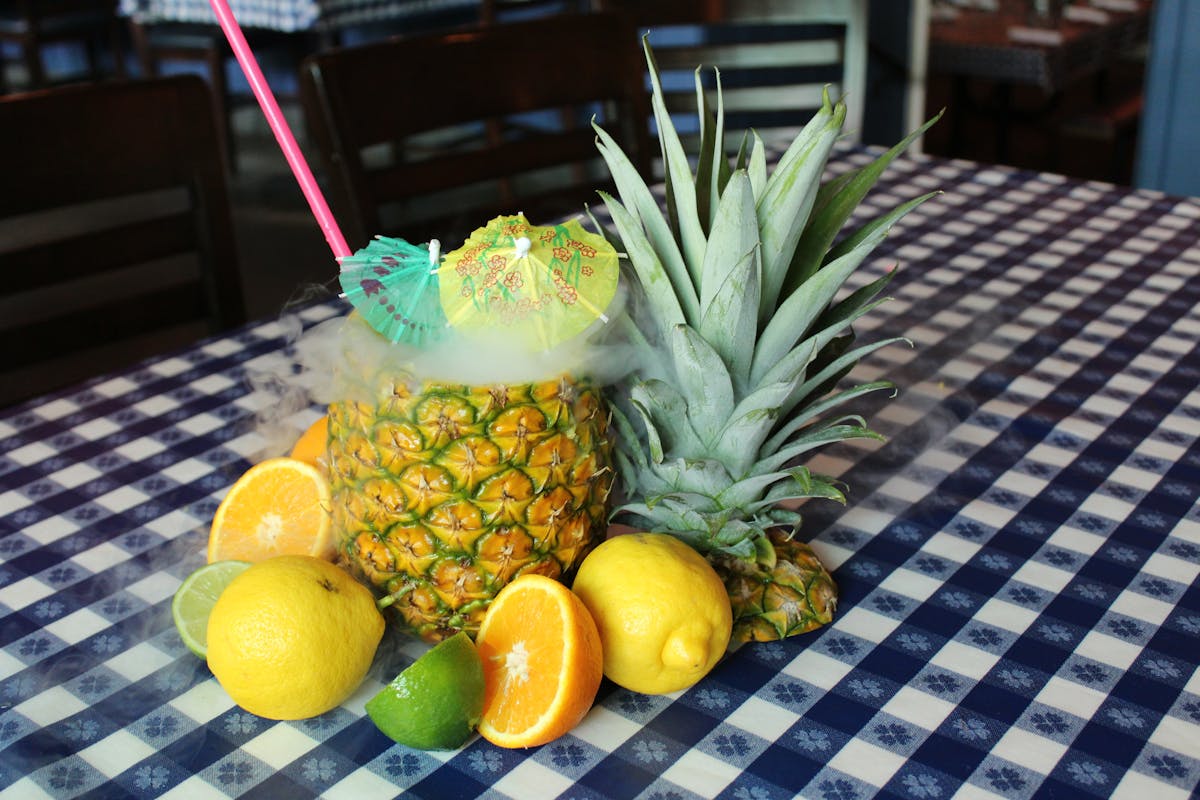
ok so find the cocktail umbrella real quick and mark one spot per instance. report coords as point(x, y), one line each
point(541, 284)
point(394, 285)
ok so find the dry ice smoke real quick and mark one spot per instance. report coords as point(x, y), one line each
point(344, 358)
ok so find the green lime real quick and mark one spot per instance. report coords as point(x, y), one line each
point(194, 600)
point(436, 702)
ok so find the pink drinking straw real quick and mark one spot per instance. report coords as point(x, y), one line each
point(279, 126)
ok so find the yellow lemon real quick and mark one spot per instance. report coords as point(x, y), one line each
point(292, 637)
point(663, 613)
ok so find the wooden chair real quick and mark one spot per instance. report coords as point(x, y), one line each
point(32, 24)
point(774, 56)
point(403, 125)
point(158, 43)
point(492, 12)
point(116, 240)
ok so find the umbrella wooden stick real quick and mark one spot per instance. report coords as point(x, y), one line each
point(281, 129)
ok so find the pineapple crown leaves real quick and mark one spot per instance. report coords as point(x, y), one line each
point(726, 531)
point(743, 335)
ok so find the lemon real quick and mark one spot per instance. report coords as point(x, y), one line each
point(195, 598)
point(663, 613)
point(292, 637)
point(437, 701)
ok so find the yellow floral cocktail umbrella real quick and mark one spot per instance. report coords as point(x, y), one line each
point(539, 284)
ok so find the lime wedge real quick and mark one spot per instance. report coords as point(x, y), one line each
point(436, 702)
point(194, 600)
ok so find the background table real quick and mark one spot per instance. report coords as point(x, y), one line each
point(290, 15)
point(1018, 564)
point(977, 44)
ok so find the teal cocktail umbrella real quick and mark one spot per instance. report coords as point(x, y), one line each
point(394, 285)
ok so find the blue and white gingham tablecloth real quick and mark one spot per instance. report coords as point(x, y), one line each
point(1019, 615)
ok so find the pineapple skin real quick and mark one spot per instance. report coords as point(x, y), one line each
point(795, 595)
point(444, 495)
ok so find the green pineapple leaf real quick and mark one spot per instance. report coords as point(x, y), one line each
point(633, 443)
point(665, 412)
point(830, 189)
point(738, 538)
point(654, 226)
point(750, 424)
point(681, 189)
point(703, 380)
point(704, 533)
point(870, 229)
point(756, 168)
point(740, 160)
point(821, 436)
point(653, 442)
point(815, 410)
point(820, 348)
point(703, 478)
point(734, 234)
point(838, 365)
point(829, 220)
point(712, 156)
point(784, 208)
point(651, 359)
point(800, 484)
point(803, 141)
point(855, 304)
point(655, 283)
point(731, 317)
point(803, 307)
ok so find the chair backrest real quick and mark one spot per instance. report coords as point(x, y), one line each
point(775, 57)
point(432, 136)
point(115, 225)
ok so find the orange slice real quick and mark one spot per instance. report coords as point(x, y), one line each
point(542, 662)
point(278, 507)
point(313, 443)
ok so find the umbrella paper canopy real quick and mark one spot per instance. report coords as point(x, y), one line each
point(394, 285)
point(543, 284)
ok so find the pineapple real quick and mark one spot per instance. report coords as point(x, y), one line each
point(442, 495)
point(743, 345)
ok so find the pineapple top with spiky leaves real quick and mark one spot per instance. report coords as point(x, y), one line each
point(742, 336)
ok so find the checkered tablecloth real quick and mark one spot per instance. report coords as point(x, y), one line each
point(1019, 615)
point(290, 15)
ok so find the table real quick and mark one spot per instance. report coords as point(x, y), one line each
point(289, 15)
point(1019, 613)
point(979, 44)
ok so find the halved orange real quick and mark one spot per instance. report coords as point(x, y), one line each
point(278, 507)
point(542, 662)
point(313, 443)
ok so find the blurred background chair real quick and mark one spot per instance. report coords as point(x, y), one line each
point(116, 241)
point(30, 25)
point(775, 57)
point(164, 46)
point(403, 125)
point(495, 11)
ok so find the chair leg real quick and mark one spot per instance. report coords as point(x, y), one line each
point(215, 61)
point(116, 45)
point(141, 50)
point(32, 55)
point(91, 47)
